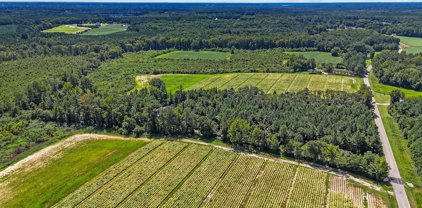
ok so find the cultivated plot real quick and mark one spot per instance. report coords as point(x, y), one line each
point(176, 174)
point(268, 82)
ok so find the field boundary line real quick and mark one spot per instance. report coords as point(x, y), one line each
point(258, 175)
point(186, 178)
point(101, 187)
point(272, 86)
point(238, 86)
point(292, 186)
point(214, 78)
point(256, 85)
point(327, 189)
point(325, 84)
point(342, 84)
point(222, 86)
point(151, 176)
point(291, 83)
point(310, 80)
point(216, 185)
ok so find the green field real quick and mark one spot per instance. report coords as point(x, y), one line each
point(202, 55)
point(176, 174)
point(45, 186)
point(68, 29)
point(107, 29)
point(320, 57)
point(269, 83)
point(411, 44)
point(382, 91)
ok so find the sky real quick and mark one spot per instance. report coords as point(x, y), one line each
point(219, 1)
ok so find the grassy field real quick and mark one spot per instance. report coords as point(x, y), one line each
point(106, 29)
point(203, 55)
point(177, 174)
point(269, 83)
point(68, 29)
point(382, 91)
point(411, 44)
point(45, 186)
point(320, 57)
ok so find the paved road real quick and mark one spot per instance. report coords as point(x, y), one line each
point(394, 173)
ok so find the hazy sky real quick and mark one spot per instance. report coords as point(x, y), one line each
point(233, 1)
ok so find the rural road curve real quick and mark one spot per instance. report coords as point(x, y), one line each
point(394, 173)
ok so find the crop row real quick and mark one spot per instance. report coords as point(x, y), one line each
point(195, 189)
point(375, 201)
point(280, 176)
point(235, 186)
point(117, 189)
point(339, 187)
point(155, 190)
point(86, 190)
point(309, 183)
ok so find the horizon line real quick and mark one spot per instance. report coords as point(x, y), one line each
point(214, 1)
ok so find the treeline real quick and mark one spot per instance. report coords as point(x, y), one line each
point(113, 48)
point(331, 128)
point(409, 116)
point(399, 69)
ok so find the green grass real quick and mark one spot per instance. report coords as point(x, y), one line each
point(269, 83)
point(203, 55)
point(402, 156)
point(411, 44)
point(320, 57)
point(67, 29)
point(107, 29)
point(173, 82)
point(382, 91)
point(79, 164)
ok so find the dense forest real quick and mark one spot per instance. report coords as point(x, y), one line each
point(399, 69)
point(409, 116)
point(325, 132)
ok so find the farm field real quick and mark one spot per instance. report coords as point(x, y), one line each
point(411, 44)
point(204, 55)
point(43, 187)
point(173, 174)
point(269, 83)
point(320, 57)
point(106, 29)
point(68, 29)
